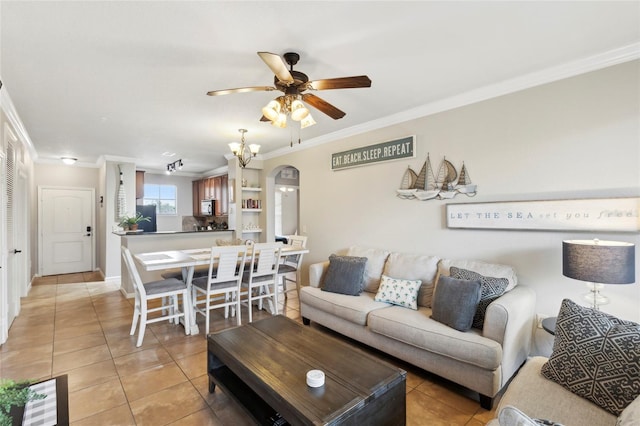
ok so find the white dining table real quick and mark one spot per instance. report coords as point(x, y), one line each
point(188, 260)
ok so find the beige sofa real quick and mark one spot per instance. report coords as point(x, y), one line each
point(540, 398)
point(481, 360)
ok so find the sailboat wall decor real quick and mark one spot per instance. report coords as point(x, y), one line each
point(426, 186)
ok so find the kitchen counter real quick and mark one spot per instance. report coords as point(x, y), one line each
point(136, 233)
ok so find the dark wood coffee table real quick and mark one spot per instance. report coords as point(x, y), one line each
point(263, 366)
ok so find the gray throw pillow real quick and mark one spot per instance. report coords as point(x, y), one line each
point(596, 356)
point(345, 275)
point(455, 302)
point(492, 288)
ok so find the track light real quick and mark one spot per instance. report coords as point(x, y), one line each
point(173, 167)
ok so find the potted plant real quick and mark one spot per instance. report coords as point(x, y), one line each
point(131, 222)
point(14, 394)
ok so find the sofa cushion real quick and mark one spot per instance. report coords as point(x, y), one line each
point(417, 329)
point(375, 265)
point(415, 267)
point(482, 268)
point(593, 353)
point(345, 275)
point(353, 308)
point(630, 416)
point(539, 397)
point(455, 302)
point(398, 292)
point(492, 288)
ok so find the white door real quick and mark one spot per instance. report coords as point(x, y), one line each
point(66, 224)
point(13, 253)
point(4, 294)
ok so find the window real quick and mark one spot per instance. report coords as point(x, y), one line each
point(161, 196)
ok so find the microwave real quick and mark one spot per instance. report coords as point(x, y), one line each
point(208, 207)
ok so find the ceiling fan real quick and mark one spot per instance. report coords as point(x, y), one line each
point(294, 85)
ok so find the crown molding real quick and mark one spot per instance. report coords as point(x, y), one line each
point(12, 115)
point(591, 63)
point(58, 162)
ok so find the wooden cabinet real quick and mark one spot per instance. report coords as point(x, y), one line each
point(195, 195)
point(213, 188)
point(139, 184)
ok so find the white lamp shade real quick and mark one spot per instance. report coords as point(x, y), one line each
point(234, 147)
point(271, 110)
point(280, 121)
point(298, 110)
point(254, 148)
point(307, 121)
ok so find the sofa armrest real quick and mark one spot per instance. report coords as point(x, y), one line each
point(316, 273)
point(510, 321)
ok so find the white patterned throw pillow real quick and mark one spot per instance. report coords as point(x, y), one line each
point(399, 292)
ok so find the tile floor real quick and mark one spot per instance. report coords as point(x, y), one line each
point(82, 329)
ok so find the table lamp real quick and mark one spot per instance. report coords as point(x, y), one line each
point(598, 262)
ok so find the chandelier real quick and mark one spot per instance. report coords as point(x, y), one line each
point(242, 151)
point(277, 110)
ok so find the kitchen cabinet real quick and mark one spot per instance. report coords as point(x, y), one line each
point(221, 194)
point(213, 188)
point(195, 195)
point(139, 184)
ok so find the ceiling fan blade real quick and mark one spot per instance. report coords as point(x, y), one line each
point(263, 118)
point(241, 90)
point(323, 106)
point(277, 65)
point(340, 83)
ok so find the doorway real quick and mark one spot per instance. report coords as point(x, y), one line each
point(66, 220)
point(286, 202)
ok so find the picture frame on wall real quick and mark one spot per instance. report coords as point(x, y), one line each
point(600, 214)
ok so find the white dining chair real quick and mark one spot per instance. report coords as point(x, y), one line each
point(221, 287)
point(166, 290)
point(260, 280)
point(289, 269)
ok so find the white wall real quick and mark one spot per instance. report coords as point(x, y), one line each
point(576, 138)
point(184, 199)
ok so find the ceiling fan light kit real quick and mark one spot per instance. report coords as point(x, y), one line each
point(293, 84)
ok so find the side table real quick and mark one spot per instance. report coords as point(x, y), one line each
point(549, 325)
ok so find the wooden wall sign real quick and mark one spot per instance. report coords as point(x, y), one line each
point(602, 214)
point(385, 151)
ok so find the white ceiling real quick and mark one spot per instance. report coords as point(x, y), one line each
point(128, 79)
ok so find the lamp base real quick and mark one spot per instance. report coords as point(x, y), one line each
point(594, 297)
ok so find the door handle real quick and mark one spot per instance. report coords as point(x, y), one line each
point(17, 251)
